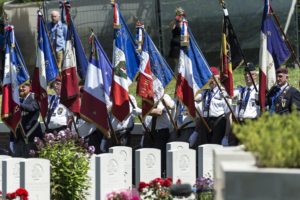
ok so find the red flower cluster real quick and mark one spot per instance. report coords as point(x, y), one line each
point(156, 183)
point(21, 192)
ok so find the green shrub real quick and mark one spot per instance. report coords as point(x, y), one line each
point(274, 139)
point(69, 164)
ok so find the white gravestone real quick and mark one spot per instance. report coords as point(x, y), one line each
point(108, 173)
point(147, 165)
point(125, 154)
point(35, 178)
point(205, 159)
point(174, 146)
point(183, 165)
point(92, 174)
point(2, 158)
point(11, 175)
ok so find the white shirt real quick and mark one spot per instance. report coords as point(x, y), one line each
point(84, 128)
point(217, 106)
point(60, 115)
point(129, 121)
point(183, 117)
point(252, 110)
point(162, 121)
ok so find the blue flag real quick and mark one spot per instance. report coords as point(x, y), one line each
point(44, 47)
point(126, 43)
point(81, 59)
point(16, 56)
point(159, 66)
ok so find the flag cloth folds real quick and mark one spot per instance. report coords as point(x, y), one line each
point(155, 75)
point(231, 54)
point(46, 69)
point(96, 93)
point(70, 95)
point(81, 59)
point(15, 73)
point(193, 74)
point(273, 52)
point(125, 65)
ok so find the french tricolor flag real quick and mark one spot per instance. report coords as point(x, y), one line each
point(193, 74)
point(273, 52)
point(95, 98)
point(46, 69)
point(125, 66)
point(10, 110)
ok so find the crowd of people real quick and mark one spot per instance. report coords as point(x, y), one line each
point(168, 121)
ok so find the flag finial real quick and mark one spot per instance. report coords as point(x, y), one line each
point(139, 35)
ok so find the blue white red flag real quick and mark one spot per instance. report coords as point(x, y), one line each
point(273, 52)
point(193, 74)
point(125, 65)
point(97, 87)
point(15, 73)
point(159, 75)
point(46, 68)
point(81, 59)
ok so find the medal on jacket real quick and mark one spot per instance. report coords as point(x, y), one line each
point(283, 102)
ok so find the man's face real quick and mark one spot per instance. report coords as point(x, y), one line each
point(24, 90)
point(57, 87)
point(281, 79)
point(248, 77)
point(55, 17)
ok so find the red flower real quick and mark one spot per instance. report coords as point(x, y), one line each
point(142, 185)
point(178, 181)
point(159, 181)
point(22, 192)
point(167, 182)
point(12, 195)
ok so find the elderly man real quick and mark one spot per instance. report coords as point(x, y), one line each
point(31, 128)
point(282, 97)
point(58, 36)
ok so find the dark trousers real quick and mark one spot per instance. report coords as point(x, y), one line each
point(218, 128)
point(159, 140)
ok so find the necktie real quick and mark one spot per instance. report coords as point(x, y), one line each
point(274, 97)
point(180, 115)
point(209, 97)
point(245, 102)
point(53, 105)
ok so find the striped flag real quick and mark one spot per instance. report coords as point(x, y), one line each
point(155, 75)
point(81, 59)
point(70, 95)
point(273, 52)
point(97, 87)
point(46, 68)
point(15, 73)
point(125, 65)
point(193, 74)
point(231, 54)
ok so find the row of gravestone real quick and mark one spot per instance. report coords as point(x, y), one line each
point(111, 171)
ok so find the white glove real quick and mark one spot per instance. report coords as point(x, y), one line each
point(12, 147)
point(103, 145)
point(193, 138)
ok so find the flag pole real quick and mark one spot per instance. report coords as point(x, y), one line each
point(223, 4)
point(170, 116)
point(285, 37)
point(113, 131)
